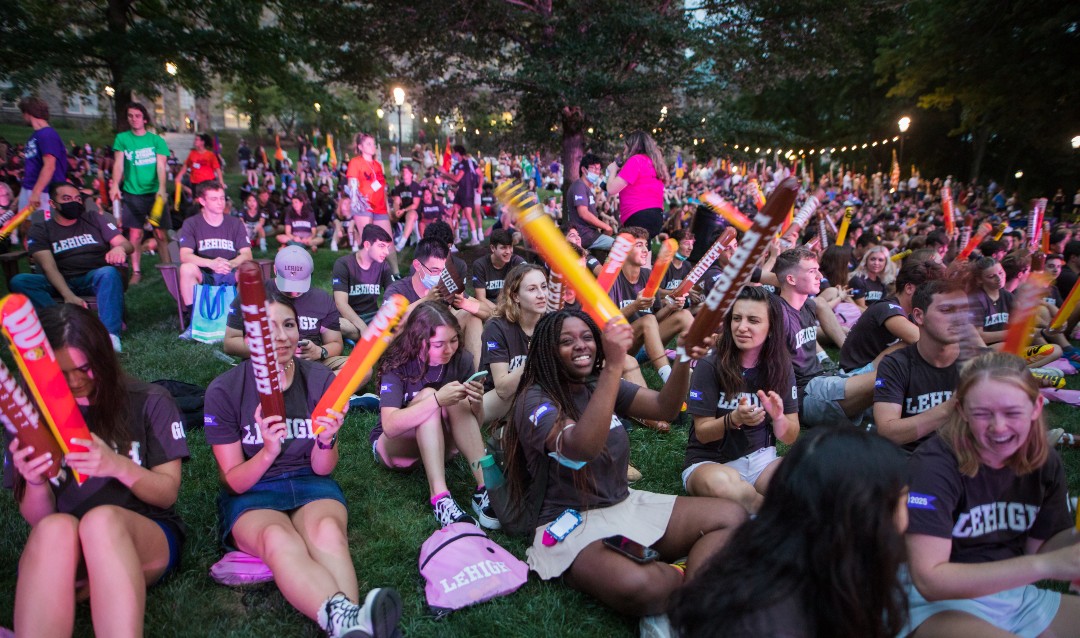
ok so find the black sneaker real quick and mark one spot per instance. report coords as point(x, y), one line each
point(448, 512)
point(377, 618)
point(485, 513)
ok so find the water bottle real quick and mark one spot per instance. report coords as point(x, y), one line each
point(493, 476)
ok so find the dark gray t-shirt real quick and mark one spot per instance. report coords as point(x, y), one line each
point(229, 413)
point(579, 194)
point(906, 379)
point(534, 417)
point(211, 242)
point(869, 336)
point(800, 326)
point(78, 248)
point(365, 287)
point(399, 387)
point(314, 310)
point(485, 276)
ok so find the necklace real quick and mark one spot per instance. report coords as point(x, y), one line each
point(288, 366)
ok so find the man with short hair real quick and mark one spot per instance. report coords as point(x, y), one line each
point(139, 163)
point(45, 157)
point(360, 279)
point(489, 271)
point(316, 315)
point(212, 244)
point(581, 200)
point(914, 385)
point(78, 253)
point(406, 197)
point(822, 399)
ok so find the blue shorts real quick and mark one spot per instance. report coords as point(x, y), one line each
point(284, 493)
point(211, 278)
point(175, 540)
point(821, 402)
point(1025, 611)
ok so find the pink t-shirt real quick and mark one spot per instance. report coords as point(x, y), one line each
point(643, 189)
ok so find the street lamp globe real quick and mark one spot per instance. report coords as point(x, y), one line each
point(399, 95)
point(170, 68)
point(904, 123)
point(380, 113)
point(1076, 142)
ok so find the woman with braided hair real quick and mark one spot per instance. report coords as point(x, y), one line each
point(565, 426)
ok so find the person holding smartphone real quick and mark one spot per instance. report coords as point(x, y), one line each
point(432, 405)
point(564, 426)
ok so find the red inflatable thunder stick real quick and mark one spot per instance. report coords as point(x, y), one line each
point(741, 266)
point(947, 210)
point(264, 363)
point(790, 235)
point(716, 251)
point(1026, 304)
point(42, 374)
point(555, 298)
point(622, 246)
point(368, 349)
point(21, 418)
point(542, 233)
point(663, 261)
point(727, 210)
point(973, 243)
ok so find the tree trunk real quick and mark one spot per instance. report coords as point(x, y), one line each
point(116, 18)
point(980, 137)
point(573, 143)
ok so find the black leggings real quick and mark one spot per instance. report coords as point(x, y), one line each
point(651, 219)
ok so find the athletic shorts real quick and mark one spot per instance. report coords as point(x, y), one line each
point(749, 467)
point(1025, 611)
point(821, 402)
point(175, 538)
point(135, 210)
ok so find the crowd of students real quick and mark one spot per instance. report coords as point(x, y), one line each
point(926, 496)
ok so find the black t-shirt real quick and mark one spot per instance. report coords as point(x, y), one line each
point(252, 217)
point(301, 223)
point(211, 242)
point(78, 248)
point(534, 417)
point(988, 517)
point(1052, 296)
point(991, 316)
point(676, 272)
point(624, 293)
point(403, 287)
point(466, 187)
point(229, 413)
point(270, 212)
point(906, 379)
point(408, 194)
point(396, 391)
point(869, 336)
point(707, 400)
point(580, 194)
point(363, 286)
point(871, 291)
point(314, 310)
point(504, 342)
point(800, 326)
point(432, 211)
point(1065, 281)
point(157, 436)
point(485, 276)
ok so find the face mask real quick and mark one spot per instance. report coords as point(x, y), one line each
point(680, 257)
point(565, 462)
point(429, 281)
point(71, 210)
point(593, 178)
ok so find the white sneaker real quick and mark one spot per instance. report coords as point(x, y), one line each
point(485, 513)
point(399, 243)
point(377, 618)
point(658, 626)
point(115, 343)
point(333, 245)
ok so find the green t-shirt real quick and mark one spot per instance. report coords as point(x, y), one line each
point(140, 161)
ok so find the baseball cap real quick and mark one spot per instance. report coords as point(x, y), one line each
point(293, 267)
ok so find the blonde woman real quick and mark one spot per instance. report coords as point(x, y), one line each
point(874, 276)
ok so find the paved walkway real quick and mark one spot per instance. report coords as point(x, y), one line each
point(180, 143)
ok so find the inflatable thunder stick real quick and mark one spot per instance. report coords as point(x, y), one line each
point(801, 218)
point(984, 230)
point(1022, 317)
point(1038, 262)
point(264, 363)
point(1000, 230)
point(11, 220)
point(823, 229)
point(1066, 309)
point(21, 418)
point(965, 230)
point(947, 209)
point(542, 233)
point(663, 261)
point(624, 243)
point(176, 198)
point(369, 348)
point(157, 211)
point(727, 210)
point(900, 256)
point(741, 266)
point(698, 271)
point(555, 299)
point(449, 280)
point(841, 235)
point(755, 192)
point(1046, 238)
point(42, 374)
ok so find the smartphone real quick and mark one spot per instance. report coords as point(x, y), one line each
point(478, 376)
point(561, 527)
point(303, 343)
point(633, 550)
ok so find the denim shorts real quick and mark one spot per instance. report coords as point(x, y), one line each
point(175, 538)
point(284, 493)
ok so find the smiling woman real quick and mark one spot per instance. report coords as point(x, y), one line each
point(988, 514)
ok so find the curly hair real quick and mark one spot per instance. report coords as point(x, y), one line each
point(411, 343)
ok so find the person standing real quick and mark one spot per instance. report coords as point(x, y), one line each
point(202, 162)
point(45, 156)
point(139, 163)
point(639, 183)
point(367, 190)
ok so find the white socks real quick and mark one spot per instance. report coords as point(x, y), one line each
point(664, 372)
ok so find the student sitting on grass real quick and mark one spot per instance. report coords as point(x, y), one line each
point(117, 533)
point(430, 409)
point(821, 557)
point(564, 419)
point(279, 502)
point(742, 398)
point(360, 279)
point(989, 514)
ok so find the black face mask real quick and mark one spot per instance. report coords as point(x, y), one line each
point(71, 210)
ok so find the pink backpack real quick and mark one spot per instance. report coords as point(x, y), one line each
point(462, 567)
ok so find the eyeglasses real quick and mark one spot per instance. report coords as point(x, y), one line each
point(430, 271)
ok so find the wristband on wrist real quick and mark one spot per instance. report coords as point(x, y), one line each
point(436, 395)
point(326, 446)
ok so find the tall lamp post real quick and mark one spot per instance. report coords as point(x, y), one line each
point(399, 100)
point(904, 123)
point(379, 112)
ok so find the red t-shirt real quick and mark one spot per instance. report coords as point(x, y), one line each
point(202, 165)
point(370, 181)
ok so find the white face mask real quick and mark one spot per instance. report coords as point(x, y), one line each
point(593, 178)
